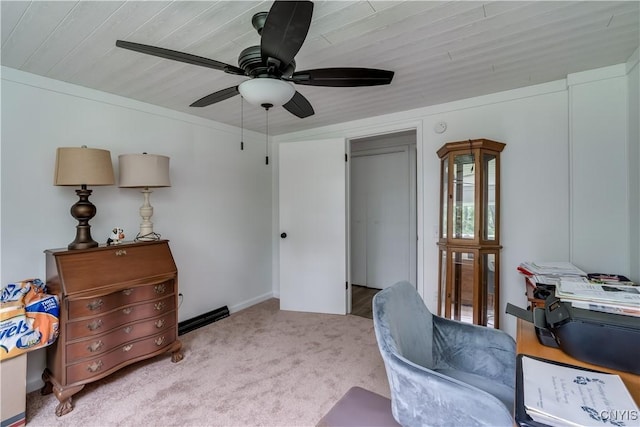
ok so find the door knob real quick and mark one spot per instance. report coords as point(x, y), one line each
point(283, 235)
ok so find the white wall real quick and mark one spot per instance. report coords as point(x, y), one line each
point(633, 90)
point(216, 214)
point(600, 200)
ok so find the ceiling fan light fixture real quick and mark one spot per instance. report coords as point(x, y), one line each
point(261, 91)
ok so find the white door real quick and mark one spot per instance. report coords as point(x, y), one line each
point(312, 179)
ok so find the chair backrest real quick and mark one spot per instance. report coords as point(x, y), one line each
point(403, 324)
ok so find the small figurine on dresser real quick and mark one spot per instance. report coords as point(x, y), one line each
point(117, 236)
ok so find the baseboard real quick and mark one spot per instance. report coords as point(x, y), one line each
point(250, 302)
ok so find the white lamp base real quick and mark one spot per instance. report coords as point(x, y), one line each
point(146, 233)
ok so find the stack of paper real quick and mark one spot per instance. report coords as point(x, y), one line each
point(551, 269)
point(565, 396)
point(607, 297)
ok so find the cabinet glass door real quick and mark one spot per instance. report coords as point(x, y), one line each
point(444, 294)
point(463, 195)
point(489, 196)
point(489, 297)
point(444, 197)
point(462, 286)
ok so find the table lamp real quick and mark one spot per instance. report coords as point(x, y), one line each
point(144, 171)
point(82, 166)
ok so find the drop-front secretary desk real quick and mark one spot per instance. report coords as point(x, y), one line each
point(118, 305)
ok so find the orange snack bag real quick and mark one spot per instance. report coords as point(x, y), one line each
point(28, 318)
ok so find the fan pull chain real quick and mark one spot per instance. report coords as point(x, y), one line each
point(241, 123)
point(267, 139)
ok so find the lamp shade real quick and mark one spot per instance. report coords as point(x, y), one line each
point(260, 91)
point(83, 166)
point(143, 170)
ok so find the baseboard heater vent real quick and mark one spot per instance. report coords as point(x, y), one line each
point(202, 320)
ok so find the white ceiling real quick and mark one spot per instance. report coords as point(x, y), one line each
point(440, 51)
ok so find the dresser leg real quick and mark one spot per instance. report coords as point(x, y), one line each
point(64, 407)
point(63, 394)
point(176, 352)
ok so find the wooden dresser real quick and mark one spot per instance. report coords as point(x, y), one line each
point(118, 305)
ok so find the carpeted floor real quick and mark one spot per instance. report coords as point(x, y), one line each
point(361, 297)
point(258, 367)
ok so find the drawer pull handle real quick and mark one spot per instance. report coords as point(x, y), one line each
point(127, 292)
point(127, 310)
point(127, 347)
point(160, 323)
point(95, 366)
point(94, 325)
point(160, 341)
point(96, 304)
point(160, 289)
point(128, 329)
point(121, 252)
point(159, 305)
point(95, 346)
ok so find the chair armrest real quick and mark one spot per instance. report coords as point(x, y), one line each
point(476, 349)
point(420, 396)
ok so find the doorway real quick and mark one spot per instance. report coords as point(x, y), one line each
point(382, 212)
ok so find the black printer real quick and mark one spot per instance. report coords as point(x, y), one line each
point(605, 339)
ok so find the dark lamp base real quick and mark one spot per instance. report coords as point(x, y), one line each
point(83, 211)
point(83, 238)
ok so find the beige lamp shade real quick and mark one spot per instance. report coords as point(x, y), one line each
point(143, 170)
point(83, 166)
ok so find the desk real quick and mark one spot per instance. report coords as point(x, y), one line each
point(527, 343)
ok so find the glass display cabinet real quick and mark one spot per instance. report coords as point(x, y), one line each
point(469, 240)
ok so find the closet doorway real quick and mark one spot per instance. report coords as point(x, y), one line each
point(382, 211)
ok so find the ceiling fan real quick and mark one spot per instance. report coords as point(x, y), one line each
point(271, 66)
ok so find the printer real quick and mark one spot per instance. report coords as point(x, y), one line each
point(605, 339)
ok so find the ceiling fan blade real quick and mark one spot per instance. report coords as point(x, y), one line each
point(342, 77)
point(218, 96)
point(299, 106)
point(180, 56)
point(284, 31)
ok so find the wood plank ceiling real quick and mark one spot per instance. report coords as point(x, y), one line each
point(440, 51)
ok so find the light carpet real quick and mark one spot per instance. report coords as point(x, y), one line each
point(258, 367)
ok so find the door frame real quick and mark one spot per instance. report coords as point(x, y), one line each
point(349, 133)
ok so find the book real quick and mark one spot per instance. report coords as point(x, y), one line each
point(563, 395)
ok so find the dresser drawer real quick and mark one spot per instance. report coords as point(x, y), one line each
point(102, 304)
point(94, 346)
point(90, 269)
point(104, 323)
point(91, 368)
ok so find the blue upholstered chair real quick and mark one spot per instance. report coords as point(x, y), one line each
point(442, 372)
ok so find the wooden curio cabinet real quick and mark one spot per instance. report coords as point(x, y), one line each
point(469, 241)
